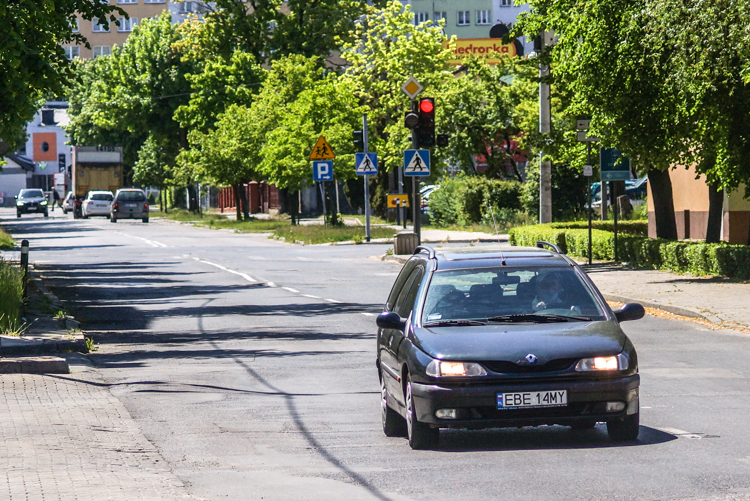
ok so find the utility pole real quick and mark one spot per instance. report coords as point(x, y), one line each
point(366, 139)
point(545, 119)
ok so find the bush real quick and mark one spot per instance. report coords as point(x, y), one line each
point(568, 191)
point(467, 199)
point(630, 227)
point(6, 241)
point(696, 258)
point(11, 295)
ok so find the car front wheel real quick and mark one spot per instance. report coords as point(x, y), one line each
point(18, 214)
point(625, 429)
point(421, 435)
point(112, 218)
point(393, 423)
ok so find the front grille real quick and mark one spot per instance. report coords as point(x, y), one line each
point(573, 409)
point(503, 367)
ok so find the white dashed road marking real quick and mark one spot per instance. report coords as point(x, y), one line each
point(291, 290)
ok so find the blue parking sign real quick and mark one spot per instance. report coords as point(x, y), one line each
point(323, 170)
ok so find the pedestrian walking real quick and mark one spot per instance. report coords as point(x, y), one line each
point(56, 199)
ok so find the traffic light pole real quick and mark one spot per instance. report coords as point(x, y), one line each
point(366, 139)
point(545, 119)
point(415, 188)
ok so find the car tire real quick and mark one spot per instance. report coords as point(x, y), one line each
point(421, 435)
point(583, 425)
point(18, 214)
point(46, 213)
point(85, 216)
point(112, 219)
point(625, 429)
point(393, 424)
point(145, 220)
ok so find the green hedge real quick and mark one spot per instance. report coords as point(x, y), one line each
point(682, 257)
point(629, 227)
point(6, 241)
point(466, 199)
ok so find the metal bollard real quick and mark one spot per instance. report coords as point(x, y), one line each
point(25, 265)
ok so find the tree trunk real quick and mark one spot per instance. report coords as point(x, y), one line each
point(661, 191)
point(715, 212)
point(245, 202)
point(293, 205)
point(237, 205)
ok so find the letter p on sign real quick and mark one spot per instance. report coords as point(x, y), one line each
point(323, 171)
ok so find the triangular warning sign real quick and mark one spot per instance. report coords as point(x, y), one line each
point(322, 150)
point(417, 164)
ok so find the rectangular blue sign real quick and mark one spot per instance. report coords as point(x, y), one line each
point(323, 170)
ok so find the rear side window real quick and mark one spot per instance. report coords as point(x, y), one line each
point(399, 284)
point(405, 301)
point(131, 196)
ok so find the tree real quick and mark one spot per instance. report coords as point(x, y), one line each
point(606, 66)
point(328, 107)
point(33, 63)
point(384, 50)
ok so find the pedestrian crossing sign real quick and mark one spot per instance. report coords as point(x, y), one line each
point(366, 163)
point(322, 150)
point(417, 163)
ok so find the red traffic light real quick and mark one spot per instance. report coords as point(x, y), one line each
point(426, 106)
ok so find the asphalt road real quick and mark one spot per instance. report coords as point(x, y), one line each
point(249, 363)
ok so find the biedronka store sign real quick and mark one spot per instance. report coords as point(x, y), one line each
point(489, 49)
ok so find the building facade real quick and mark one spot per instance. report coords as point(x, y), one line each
point(102, 39)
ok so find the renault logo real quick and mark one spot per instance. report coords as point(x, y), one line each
point(531, 358)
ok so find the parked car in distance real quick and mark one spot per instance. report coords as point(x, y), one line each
point(97, 203)
point(68, 203)
point(484, 337)
point(31, 200)
point(129, 203)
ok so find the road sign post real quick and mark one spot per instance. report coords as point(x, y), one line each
point(366, 138)
point(614, 166)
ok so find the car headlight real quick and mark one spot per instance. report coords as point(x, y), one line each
point(43, 202)
point(615, 363)
point(439, 368)
point(20, 204)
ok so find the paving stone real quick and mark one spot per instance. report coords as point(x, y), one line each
point(68, 438)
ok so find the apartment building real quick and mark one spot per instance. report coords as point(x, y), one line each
point(102, 39)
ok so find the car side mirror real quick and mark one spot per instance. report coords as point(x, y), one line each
point(630, 311)
point(391, 320)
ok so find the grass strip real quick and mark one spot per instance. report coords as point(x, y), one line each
point(307, 234)
point(6, 241)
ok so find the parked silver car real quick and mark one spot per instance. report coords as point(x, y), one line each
point(129, 203)
point(68, 203)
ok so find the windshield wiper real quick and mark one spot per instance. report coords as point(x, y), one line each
point(453, 323)
point(537, 317)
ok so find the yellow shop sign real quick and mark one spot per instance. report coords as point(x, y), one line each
point(491, 49)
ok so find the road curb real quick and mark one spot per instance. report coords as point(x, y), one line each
point(669, 308)
point(34, 365)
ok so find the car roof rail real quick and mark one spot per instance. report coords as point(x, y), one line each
point(542, 244)
point(423, 248)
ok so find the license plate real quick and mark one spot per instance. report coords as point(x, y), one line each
point(131, 205)
point(532, 399)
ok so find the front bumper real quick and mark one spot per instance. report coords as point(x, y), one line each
point(25, 209)
point(476, 404)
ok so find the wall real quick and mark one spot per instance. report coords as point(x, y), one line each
point(12, 180)
point(451, 22)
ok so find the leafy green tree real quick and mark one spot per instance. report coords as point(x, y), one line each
point(605, 66)
point(32, 62)
point(385, 49)
point(328, 107)
point(155, 166)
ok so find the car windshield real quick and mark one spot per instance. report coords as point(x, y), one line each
point(31, 194)
point(131, 196)
point(507, 294)
point(102, 196)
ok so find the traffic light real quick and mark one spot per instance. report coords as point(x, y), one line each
point(359, 140)
point(426, 127)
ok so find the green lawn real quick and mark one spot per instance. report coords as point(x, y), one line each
point(6, 242)
point(312, 234)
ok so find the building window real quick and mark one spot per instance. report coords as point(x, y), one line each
point(154, 1)
point(72, 51)
point(102, 50)
point(464, 18)
point(483, 17)
point(438, 16)
point(74, 26)
point(506, 3)
point(96, 27)
point(127, 24)
point(127, 1)
point(420, 17)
